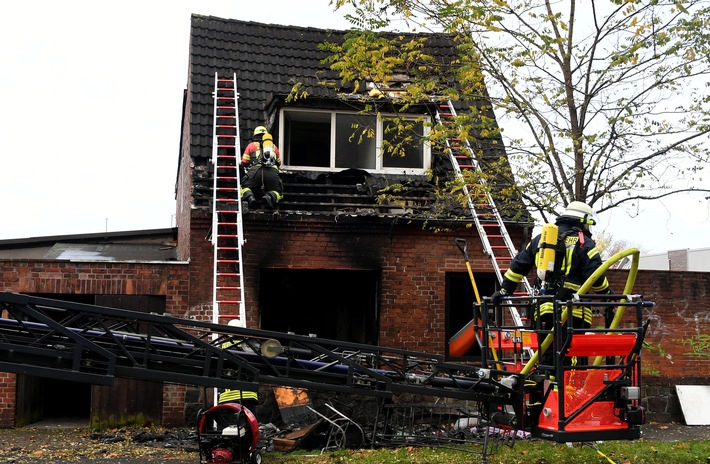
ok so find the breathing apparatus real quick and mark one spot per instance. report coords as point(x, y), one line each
point(546, 254)
point(546, 257)
point(268, 156)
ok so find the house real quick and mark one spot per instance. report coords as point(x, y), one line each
point(332, 260)
point(338, 258)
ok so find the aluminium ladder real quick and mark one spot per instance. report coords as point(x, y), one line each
point(227, 230)
point(497, 244)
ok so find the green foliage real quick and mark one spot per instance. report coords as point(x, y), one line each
point(601, 102)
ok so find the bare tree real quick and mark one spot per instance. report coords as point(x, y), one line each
point(600, 101)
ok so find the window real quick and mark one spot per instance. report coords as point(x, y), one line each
point(325, 140)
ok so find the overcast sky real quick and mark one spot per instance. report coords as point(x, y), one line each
point(90, 107)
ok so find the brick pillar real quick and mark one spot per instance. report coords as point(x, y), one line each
point(173, 405)
point(7, 399)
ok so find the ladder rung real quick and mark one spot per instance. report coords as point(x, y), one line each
point(231, 287)
point(228, 301)
point(228, 274)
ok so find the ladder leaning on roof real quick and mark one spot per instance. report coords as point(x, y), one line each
point(497, 244)
point(227, 231)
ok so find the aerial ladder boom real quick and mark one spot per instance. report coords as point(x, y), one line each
point(95, 344)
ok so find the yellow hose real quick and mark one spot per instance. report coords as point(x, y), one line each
point(582, 290)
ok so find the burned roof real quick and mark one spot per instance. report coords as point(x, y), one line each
point(268, 59)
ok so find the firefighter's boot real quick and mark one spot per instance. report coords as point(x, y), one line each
point(248, 201)
point(269, 200)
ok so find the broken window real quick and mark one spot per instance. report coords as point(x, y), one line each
point(330, 140)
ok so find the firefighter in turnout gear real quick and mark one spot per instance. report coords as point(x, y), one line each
point(248, 399)
point(261, 160)
point(576, 259)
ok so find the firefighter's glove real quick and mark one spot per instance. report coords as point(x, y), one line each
point(499, 295)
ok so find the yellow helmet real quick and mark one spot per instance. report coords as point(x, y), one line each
point(260, 130)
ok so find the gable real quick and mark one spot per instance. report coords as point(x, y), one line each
point(268, 60)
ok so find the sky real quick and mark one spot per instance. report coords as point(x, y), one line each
point(90, 108)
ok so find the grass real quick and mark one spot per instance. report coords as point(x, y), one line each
point(537, 452)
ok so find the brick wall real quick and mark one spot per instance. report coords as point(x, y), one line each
point(7, 399)
point(49, 276)
point(413, 263)
point(678, 337)
point(174, 405)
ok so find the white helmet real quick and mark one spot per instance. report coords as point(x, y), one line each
point(581, 211)
point(236, 322)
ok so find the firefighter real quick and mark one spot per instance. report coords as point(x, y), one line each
point(261, 160)
point(248, 399)
point(577, 258)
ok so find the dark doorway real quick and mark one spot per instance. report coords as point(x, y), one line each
point(66, 399)
point(340, 305)
point(40, 398)
point(459, 302)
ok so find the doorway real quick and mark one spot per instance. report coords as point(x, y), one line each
point(335, 304)
point(460, 298)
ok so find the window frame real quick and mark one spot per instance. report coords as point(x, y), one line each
point(379, 158)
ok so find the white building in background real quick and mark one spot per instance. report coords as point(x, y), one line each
point(677, 260)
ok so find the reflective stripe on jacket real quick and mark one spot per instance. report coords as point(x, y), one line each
point(581, 259)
